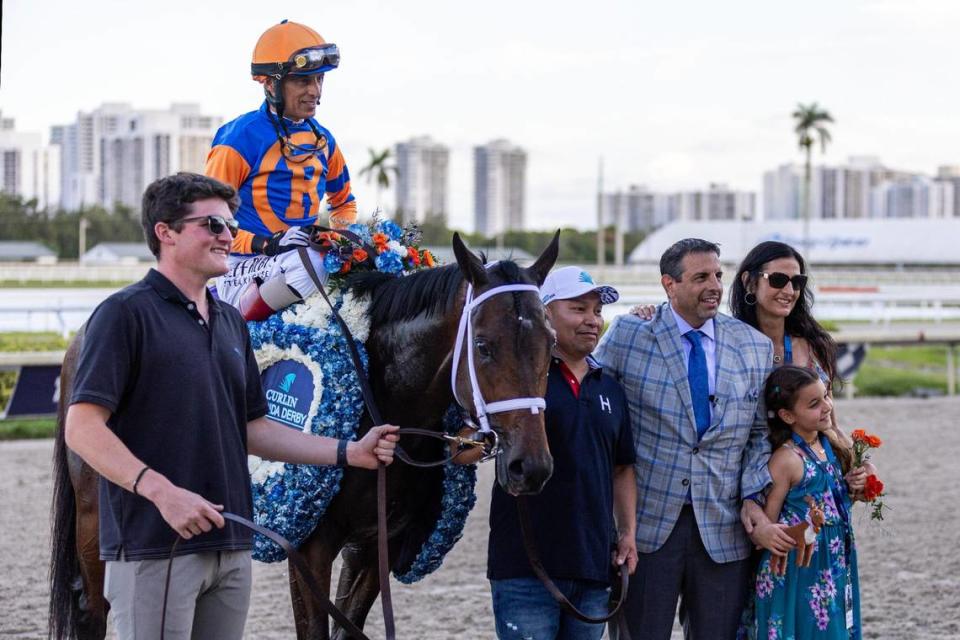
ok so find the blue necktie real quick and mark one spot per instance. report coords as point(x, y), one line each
point(699, 382)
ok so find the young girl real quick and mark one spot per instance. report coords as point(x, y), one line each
point(821, 600)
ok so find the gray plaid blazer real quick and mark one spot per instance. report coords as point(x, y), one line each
point(728, 463)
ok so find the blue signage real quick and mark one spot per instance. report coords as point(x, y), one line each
point(289, 390)
point(37, 392)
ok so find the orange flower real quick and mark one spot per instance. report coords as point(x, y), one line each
point(346, 266)
point(428, 259)
point(874, 441)
point(359, 255)
point(859, 435)
point(380, 239)
point(873, 488)
point(413, 256)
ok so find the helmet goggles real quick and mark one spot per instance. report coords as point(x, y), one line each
point(304, 62)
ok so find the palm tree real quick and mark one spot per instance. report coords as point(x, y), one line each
point(810, 120)
point(378, 169)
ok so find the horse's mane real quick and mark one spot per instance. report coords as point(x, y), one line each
point(432, 291)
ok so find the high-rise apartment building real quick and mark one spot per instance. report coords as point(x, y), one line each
point(422, 179)
point(28, 168)
point(111, 154)
point(639, 209)
point(844, 192)
point(499, 187)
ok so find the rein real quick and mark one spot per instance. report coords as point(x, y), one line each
point(295, 558)
point(533, 555)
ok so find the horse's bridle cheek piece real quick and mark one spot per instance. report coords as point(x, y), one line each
point(481, 407)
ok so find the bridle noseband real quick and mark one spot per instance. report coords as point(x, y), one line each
point(465, 334)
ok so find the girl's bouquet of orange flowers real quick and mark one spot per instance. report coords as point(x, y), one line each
point(873, 491)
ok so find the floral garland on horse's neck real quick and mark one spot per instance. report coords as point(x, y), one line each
point(291, 499)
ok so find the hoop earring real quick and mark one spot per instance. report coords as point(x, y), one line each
point(750, 298)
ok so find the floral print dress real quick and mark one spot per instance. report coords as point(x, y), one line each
point(821, 601)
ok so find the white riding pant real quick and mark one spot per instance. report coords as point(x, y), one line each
point(246, 269)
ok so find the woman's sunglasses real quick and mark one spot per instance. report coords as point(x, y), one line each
point(216, 224)
point(779, 280)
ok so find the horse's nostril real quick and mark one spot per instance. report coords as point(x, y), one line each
point(515, 469)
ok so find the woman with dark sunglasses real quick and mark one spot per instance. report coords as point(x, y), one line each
point(770, 293)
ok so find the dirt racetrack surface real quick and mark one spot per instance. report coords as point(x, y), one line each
point(909, 565)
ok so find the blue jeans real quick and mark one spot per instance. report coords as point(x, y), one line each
point(525, 610)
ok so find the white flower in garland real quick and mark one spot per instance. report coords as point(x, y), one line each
point(313, 313)
point(354, 313)
point(397, 248)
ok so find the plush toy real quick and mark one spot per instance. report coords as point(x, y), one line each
point(804, 536)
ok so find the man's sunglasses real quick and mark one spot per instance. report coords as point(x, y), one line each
point(216, 224)
point(779, 280)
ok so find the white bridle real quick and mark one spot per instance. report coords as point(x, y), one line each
point(465, 333)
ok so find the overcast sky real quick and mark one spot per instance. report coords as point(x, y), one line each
point(673, 95)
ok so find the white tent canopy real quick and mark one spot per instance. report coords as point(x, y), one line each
point(842, 242)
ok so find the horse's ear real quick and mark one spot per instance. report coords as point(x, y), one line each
point(545, 262)
point(469, 263)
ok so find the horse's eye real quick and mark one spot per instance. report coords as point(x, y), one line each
point(482, 347)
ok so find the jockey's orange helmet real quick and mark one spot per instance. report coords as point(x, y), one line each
point(291, 48)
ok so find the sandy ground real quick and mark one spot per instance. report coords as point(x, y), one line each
point(909, 569)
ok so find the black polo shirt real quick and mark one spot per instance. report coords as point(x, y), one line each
point(180, 391)
point(572, 517)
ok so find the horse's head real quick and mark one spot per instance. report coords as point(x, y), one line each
point(510, 344)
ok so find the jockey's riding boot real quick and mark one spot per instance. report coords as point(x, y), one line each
point(259, 301)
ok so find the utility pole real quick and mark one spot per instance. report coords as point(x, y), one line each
point(601, 248)
point(82, 244)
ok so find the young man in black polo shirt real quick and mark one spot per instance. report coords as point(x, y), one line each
point(592, 486)
point(166, 405)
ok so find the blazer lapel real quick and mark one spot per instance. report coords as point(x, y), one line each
point(668, 339)
point(726, 356)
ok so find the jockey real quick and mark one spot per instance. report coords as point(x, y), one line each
point(282, 162)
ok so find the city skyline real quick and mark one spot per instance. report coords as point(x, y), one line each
point(673, 96)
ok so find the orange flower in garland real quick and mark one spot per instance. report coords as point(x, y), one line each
point(380, 239)
point(428, 259)
point(413, 256)
point(359, 255)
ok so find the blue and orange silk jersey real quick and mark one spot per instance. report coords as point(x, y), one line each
point(276, 191)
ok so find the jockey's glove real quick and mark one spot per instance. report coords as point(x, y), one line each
point(283, 241)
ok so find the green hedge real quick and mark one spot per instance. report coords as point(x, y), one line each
point(873, 380)
point(24, 429)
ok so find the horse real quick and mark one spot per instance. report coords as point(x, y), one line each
point(414, 323)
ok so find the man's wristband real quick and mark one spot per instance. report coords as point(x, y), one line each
point(342, 453)
point(139, 478)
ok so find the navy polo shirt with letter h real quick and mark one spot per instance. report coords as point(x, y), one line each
point(572, 517)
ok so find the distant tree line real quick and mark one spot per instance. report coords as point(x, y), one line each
point(60, 230)
point(575, 246)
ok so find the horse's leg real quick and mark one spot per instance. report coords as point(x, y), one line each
point(359, 585)
point(93, 605)
point(319, 550)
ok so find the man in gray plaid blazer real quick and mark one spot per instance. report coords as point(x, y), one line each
point(700, 435)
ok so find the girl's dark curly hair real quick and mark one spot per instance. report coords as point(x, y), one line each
point(780, 392)
point(800, 322)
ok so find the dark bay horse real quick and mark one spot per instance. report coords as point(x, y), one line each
point(414, 323)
